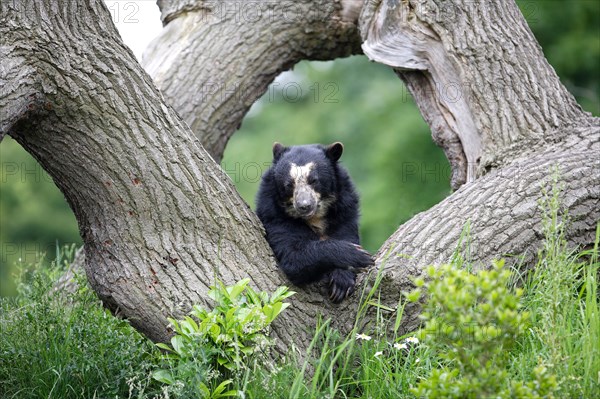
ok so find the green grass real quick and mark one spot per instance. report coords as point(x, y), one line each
point(562, 297)
point(53, 348)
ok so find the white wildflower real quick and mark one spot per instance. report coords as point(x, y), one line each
point(363, 337)
point(412, 340)
point(417, 360)
point(377, 354)
point(400, 346)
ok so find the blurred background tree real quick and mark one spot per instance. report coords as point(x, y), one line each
point(388, 148)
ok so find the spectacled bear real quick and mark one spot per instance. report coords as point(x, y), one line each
point(309, 208)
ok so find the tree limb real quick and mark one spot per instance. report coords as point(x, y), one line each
point(207, 69)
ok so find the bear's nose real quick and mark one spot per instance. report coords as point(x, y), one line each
point(304, 202)
point(304, 206)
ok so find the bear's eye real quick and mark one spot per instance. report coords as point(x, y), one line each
point(311, 180)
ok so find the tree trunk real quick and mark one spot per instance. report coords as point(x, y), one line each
point(161, 221)
point(158, 217)
point(499, 111)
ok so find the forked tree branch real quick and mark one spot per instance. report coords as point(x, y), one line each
point(161, 221)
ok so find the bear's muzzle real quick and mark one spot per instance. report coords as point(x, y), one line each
point(305, 202)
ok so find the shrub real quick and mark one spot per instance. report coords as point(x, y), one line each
point(211, 346)
point(473, 322)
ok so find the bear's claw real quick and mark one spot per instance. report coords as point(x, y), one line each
point(341, 284)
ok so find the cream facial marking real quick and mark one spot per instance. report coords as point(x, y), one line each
point(300, 173)
point(305, 200)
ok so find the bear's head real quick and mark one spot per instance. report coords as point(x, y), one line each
point(306, 178)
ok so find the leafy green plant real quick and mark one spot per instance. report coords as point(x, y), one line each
point(473, 322)
point(220, 342)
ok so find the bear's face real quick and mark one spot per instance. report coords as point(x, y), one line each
point(306, 179)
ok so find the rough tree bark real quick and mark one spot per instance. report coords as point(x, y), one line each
point(160, 220)
point(215, 58)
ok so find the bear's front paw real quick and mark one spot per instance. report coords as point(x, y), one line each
point(362, 259)
point(341, 284)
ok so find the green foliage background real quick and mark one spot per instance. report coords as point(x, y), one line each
point(389, 152)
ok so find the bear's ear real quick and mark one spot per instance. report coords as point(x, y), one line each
point(278, 150)
point(334, 151)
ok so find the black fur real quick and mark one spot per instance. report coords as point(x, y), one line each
point(304, 253)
